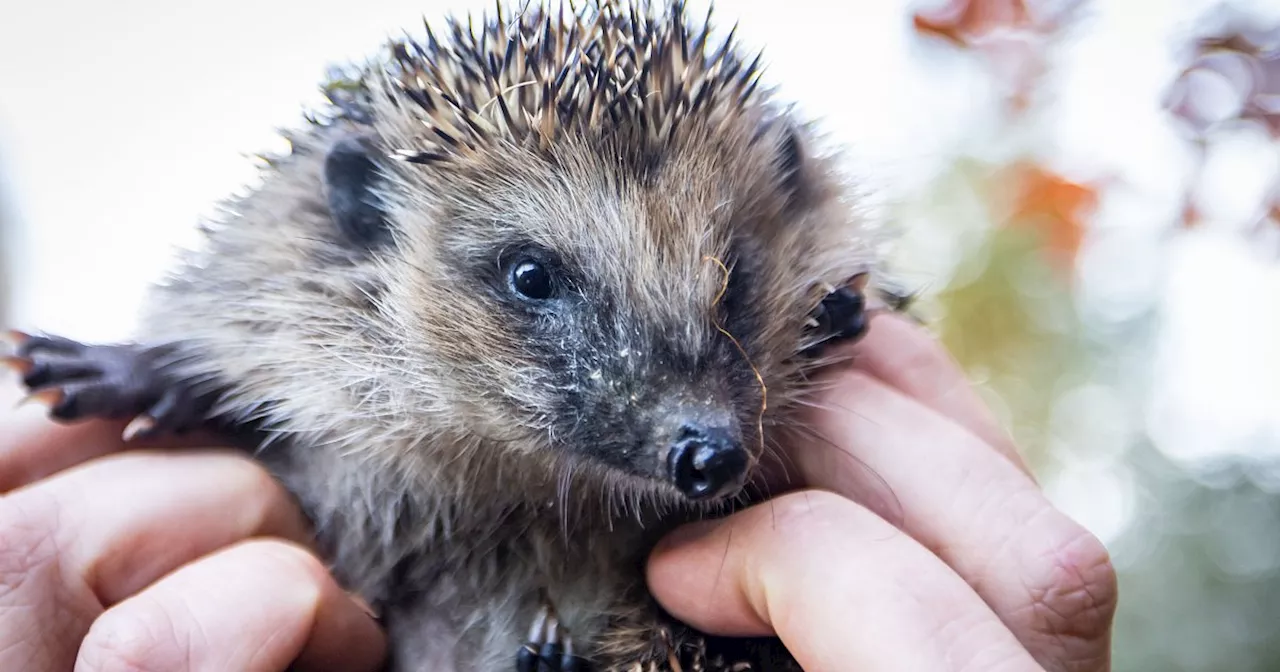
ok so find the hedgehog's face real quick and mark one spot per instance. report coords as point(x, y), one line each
point(604, 375)
point(629, 315)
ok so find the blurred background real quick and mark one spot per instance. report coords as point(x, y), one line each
point(1088, 194)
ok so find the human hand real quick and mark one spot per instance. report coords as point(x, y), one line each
point(988, 575)
point(145, 560)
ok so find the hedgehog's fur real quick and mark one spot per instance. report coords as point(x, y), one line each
point(611, 71)
point(451, 488)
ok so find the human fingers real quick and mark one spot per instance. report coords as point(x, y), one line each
point(906, 357)
point(258, 606)
point(32, 446)
point(842, 589)
point(1048, 578)
point(94, 534)
point(124, 520)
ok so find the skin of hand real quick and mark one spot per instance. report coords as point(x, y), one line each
point(978, 572)
point(196, 559)
point(149, 559)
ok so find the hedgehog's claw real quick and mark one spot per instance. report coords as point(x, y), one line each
point(19, 365)
point(549, 648)
point(140, 425)
point(16, 338)
point(51, 398)
point(673, 660)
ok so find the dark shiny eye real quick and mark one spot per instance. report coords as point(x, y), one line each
point(532, 280)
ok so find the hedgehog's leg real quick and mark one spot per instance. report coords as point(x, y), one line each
point(80, 381)
point(550, 648)
point(658, 647)
point(757, 654)
point(652, 641)
point(649, 640)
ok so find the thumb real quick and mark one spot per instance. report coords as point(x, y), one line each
point(842, 589)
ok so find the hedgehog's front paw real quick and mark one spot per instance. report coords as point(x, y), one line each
point(550, 648)
point(841, 316)
point(654, 642)
point(79, 381)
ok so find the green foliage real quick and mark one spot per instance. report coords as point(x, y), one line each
point(994, 242)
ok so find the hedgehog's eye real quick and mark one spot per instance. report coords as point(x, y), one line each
point(532, 280)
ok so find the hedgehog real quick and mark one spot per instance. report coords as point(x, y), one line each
point(520, 298)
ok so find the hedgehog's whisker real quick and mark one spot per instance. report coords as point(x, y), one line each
point(764, 389)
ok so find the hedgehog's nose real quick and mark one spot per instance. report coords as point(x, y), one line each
point(706, 462)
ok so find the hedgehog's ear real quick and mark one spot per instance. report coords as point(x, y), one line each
point(792, 161)
point(350, 181)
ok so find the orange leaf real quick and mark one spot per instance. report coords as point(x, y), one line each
point(963, 21)
point(1054, 204)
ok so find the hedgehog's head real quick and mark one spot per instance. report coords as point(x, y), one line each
point(607, 271)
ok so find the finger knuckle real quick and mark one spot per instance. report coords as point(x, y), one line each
point(1074, 590)
point(141, 638)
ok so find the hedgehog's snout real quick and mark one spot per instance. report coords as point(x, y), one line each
point(705, 462)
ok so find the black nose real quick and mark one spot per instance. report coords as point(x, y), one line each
point(705, 462)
